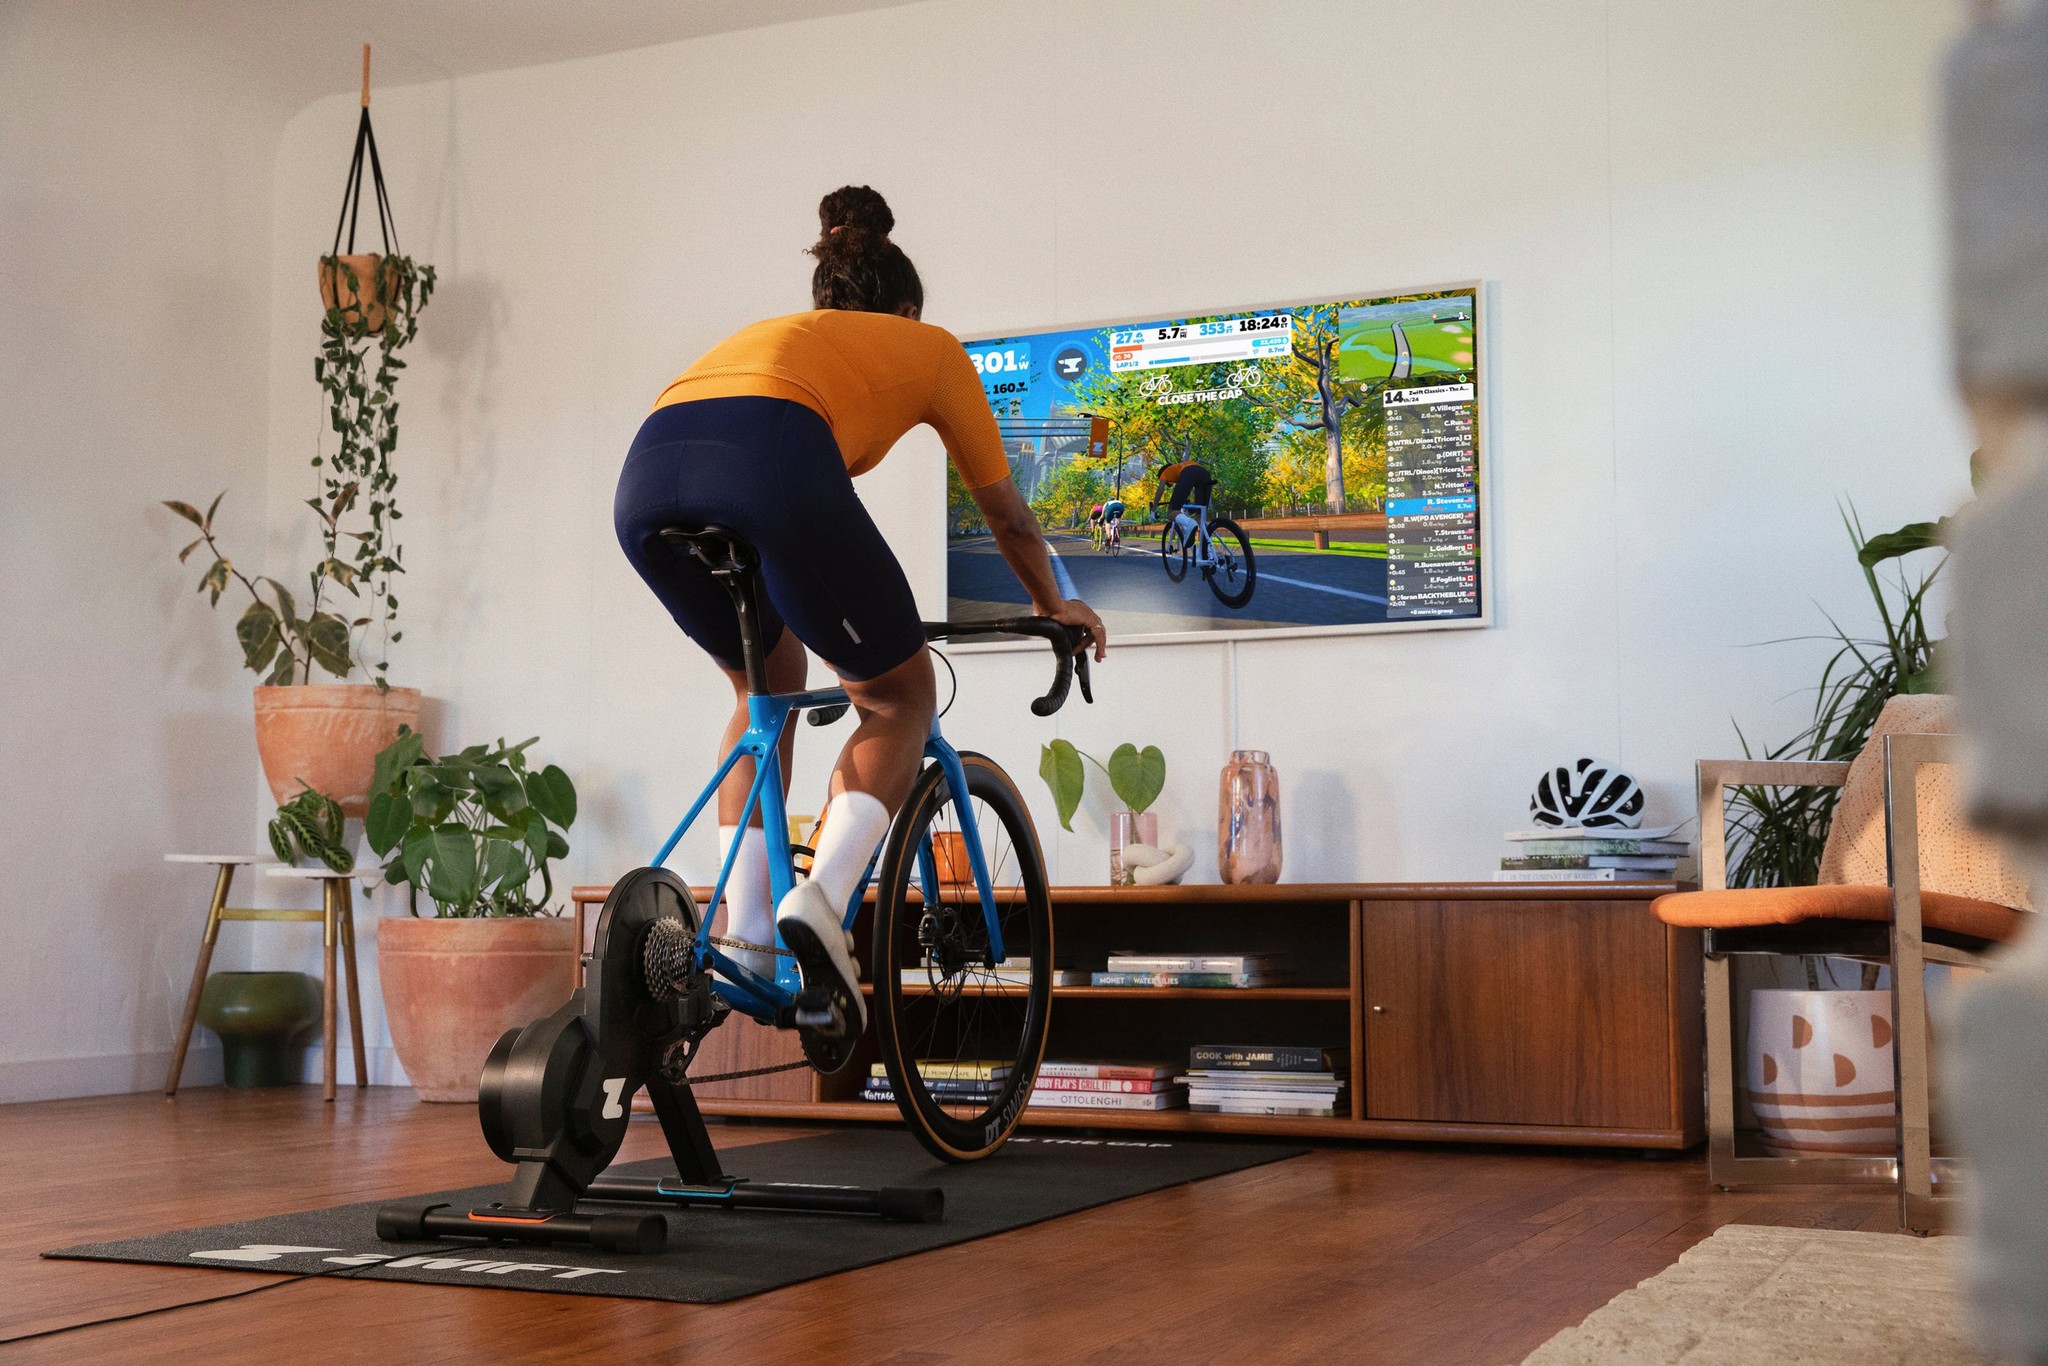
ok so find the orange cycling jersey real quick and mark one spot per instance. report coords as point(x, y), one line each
point(871, 376)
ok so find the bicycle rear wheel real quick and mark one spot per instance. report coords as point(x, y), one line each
point(960, 1040)
point(1233, 575)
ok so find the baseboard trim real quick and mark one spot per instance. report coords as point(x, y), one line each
point(112, 1074)
point(117, 1074)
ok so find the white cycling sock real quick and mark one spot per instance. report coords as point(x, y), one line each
point(854, 824)
point(750, 912)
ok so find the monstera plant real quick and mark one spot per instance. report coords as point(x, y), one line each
point(471, 829)
point(474, 830)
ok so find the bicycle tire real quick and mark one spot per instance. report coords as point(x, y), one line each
point(1173, 549)
point(1247, 572)
point(976, 1019)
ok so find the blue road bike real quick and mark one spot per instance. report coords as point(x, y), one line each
point(960, 957)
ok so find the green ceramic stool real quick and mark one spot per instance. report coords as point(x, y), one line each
point(261, 1018)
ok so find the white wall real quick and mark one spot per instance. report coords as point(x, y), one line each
point(135, 191)
point(1709, 232)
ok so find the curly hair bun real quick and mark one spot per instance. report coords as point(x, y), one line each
point(855, 206)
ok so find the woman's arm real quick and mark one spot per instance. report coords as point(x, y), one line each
point(1015, 528)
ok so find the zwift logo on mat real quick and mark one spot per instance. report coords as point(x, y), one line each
point(272, 1252)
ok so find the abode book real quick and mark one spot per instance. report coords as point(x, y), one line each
point(1269, 1058)
point(1169, 1099)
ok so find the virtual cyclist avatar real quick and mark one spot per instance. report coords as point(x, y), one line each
point(763, 436)
point(1184, 482)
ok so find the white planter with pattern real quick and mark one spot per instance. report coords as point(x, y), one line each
point(1820, 1071)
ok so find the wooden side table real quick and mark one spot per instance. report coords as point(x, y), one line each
point(337, 920)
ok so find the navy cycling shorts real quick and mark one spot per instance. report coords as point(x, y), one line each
point(769, 469)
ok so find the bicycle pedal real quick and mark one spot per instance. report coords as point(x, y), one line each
point(819, 1011)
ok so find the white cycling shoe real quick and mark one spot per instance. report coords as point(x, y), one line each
point(810, 925)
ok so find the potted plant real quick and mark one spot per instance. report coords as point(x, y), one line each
point(1827, 1040)
point(324, 735)
point(1137, 777)
point(310, 826)
point(309, 735)
point(472, 830)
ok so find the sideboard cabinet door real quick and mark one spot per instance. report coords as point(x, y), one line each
point(1532, 1012)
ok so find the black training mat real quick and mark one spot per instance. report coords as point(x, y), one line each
point(714, 1256)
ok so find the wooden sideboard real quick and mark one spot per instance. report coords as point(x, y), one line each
point(1474, 1012)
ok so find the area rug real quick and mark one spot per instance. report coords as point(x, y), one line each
point(1750, 1294)
point(715, 1256)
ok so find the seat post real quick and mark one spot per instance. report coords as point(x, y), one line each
point(734, 563)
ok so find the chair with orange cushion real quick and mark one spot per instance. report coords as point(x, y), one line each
point(1903, 883)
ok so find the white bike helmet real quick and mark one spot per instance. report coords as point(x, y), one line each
point(1593, 793)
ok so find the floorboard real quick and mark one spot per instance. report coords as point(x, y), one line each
point(1358, 1253)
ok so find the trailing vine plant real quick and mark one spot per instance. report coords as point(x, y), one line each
point(362, 411)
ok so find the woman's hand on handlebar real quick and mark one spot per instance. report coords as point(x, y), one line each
point(1079, 615)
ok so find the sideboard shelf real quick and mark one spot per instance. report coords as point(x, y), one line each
point(1474, 1012)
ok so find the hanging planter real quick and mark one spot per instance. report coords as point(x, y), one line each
point(338, 619)
point(372, 303)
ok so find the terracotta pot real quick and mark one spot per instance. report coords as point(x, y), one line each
point(328, 735)
point(335, 292)
point(453, 987)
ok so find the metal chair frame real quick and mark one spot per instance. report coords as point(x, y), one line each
point(1901, 944)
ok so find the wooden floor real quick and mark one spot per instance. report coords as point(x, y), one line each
point(1356, 1254)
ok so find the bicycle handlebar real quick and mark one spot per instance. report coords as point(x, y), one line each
point(1068, 642)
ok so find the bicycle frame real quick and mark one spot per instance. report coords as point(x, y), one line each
point(769, 716)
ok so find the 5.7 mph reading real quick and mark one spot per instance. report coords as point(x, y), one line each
point(1206, 342)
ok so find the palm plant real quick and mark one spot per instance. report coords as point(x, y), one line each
point(1776, 834)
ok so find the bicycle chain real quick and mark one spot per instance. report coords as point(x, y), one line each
point(725, 943)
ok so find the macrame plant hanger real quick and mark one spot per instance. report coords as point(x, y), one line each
point(352, 193)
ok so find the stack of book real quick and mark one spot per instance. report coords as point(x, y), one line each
point(1564, 853)
point(1131, 969)
point(1013, 971)
point(1240, 1079)
point(1066, 1085)
point(970, 1080)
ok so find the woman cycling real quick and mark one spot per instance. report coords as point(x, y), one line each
point(764, 435)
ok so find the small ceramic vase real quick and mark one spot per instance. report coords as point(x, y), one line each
point(1248, 845)
point(1126, 827)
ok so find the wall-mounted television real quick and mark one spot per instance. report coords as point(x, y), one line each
point(1327, 458)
